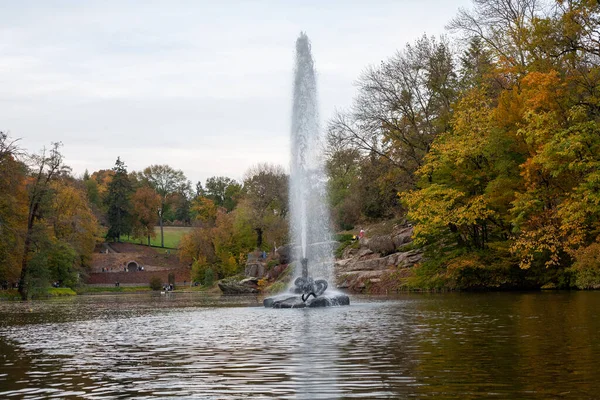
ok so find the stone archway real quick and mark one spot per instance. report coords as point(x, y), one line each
point(132, 265)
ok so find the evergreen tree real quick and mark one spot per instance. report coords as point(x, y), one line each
point(118, 202)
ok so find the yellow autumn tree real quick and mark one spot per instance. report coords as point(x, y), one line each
point(460, 181)
point(145, 202)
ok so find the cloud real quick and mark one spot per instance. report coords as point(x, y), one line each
point(203, 86)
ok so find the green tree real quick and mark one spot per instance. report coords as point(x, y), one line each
point(266, 195)
point(343, 170)
point(166, 181)
point(118, 202)
point(223, 191)
point(181, 202)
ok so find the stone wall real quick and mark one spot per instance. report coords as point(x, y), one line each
point(136, 277)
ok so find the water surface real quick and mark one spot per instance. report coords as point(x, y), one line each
point(498, 345)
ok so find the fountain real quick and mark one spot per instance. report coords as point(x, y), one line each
point(310, 231)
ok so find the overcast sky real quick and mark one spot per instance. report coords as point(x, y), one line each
point(204, 86)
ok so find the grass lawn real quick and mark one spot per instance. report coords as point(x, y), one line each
point(13, 294)
point(10, 294)
point(173, 235)
point(59, 292)
point(112, 289)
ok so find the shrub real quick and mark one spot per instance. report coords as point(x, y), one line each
point(343, 237)
point(155, 283)
point(38, 276)
point(209, 277)
point(262, 284)
point(587, 267)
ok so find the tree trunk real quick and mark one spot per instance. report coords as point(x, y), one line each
point(22, 285)
point(162, 236)
point(259, 234)
point(148, 240)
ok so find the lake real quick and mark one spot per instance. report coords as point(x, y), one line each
point(455, 346)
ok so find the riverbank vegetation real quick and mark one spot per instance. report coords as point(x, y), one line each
point(47, 227)
point(51, 221)
point(492, 152)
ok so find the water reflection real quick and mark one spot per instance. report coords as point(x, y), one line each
point(531, 345)
point(313, 371)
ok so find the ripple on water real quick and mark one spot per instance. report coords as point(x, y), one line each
point(415, 346)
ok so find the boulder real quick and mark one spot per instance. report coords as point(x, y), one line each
point(365, 253)
point(235, 286)
point(284, 253)
point(403, 236)
point(383, 244)
point(409, 258)
point(255, 269)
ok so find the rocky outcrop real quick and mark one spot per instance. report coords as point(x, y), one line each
point(255, 269)
point(383, 245)
point(276, 271)
point(235, 286)
point(377, 256)
point(402, 236)
point(284, 253)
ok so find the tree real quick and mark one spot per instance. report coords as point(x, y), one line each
point(266, 194)
point(504, 26)
point(73, 222)
point(205, 210)
point(518, 167)
point(469, 177)
point(13, 208)
point(220, 248)
point(118, 202)
point(46, 168)
point(223, 191)
point(145, 202)
point(199, 190)
point(477, 69)
point(165, 180)
point(401, 106)
point(8, 147)
point(343, 170)
point(181, 202)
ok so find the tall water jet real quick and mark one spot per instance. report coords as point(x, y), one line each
point(311, 237)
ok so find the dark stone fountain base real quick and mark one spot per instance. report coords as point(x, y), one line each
point(290, 300)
